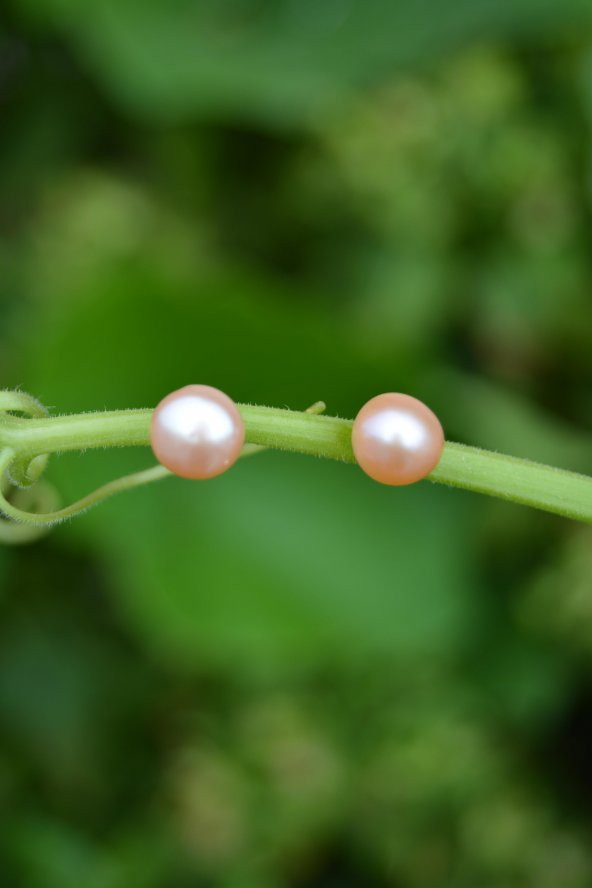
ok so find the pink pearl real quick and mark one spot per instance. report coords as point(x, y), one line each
point(197, 432)
point(397, 439)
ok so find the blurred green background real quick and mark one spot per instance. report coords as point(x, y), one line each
point(291, 677)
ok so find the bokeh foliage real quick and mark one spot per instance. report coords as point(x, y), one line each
point(290, 676)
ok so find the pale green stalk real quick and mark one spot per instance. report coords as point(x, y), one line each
point(25, 443)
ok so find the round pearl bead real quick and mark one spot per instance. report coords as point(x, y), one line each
point(197, 432)
point(397, 439)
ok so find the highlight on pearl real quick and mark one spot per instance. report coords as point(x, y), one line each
point(197, 432)
point(397, 439)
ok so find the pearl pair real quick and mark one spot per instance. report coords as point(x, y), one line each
point(198, 432)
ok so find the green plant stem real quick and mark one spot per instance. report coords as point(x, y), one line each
point(519, 480)
point(26, 526)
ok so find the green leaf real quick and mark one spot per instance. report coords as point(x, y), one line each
point(278, 61)
point(286, 562)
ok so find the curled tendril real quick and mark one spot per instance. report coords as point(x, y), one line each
point(21, 525)
point(20, 402)
point(24, 473)
point(41, 497)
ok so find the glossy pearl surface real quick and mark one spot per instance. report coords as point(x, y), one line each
point(397, 439)
point(197, 432)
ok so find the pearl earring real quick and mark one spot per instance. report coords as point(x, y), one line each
point(397, 439)
point(197, 432)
